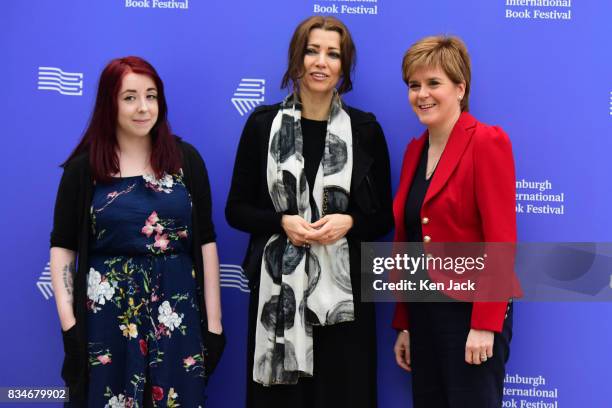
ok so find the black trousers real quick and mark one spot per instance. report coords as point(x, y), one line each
point(440, 376)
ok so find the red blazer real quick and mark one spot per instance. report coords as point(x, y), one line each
point(471, 198)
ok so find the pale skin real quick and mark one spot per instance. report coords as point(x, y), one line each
point(137, 113)
point(436, 101)
point(62, 270)
point(322, 71)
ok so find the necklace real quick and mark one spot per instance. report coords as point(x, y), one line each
point(440, 148)
point(430, 173)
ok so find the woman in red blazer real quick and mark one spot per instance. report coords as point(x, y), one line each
point(457, 185)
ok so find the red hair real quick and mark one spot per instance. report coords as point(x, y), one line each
point(100, 138)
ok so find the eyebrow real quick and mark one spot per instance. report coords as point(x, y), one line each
point(426, 79)
point(318, 46)
point(134, 91)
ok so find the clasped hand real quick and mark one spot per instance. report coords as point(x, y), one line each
point(325, 231)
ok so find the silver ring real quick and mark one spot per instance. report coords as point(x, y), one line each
point(483, 357)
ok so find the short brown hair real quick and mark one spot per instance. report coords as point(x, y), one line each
point(299, 41)
point(445, 52)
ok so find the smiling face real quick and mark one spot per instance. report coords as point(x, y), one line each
point(322, 64)
point(434, 97)
point(137, 107)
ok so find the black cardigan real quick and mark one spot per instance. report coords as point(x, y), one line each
point(71, 230)
point(249, 206)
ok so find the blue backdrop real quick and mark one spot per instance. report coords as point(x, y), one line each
point(541, 70)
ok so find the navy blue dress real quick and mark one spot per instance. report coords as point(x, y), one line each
point(144, 336)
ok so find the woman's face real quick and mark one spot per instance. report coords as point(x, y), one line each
point(137, 106)
point(322, 65)
point(434, 97)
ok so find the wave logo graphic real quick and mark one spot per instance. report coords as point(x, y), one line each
point(54, 79)
point(44, 283)
point(232, 276)
point(249, 94)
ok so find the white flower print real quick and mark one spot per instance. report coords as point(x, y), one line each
point(164, 184)
point(117, 401)
point(99, 290)
point(167, 181)
point(149, 178)
point(168, 317)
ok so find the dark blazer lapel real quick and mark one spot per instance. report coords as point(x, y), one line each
point(361, 162)
point(409, 166)
point(455, 147)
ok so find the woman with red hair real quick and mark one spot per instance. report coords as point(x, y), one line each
point(134, 262)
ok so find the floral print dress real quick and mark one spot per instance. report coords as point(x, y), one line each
point(144, 336)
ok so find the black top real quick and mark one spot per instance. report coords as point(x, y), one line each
point(314, 132)
point(249, 206)
point(416, 196)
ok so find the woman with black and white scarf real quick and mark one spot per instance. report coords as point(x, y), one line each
point(311, 182)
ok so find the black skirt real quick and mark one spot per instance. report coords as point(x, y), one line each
point(344, 366)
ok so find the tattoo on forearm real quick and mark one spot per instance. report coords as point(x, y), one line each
point(67, 276)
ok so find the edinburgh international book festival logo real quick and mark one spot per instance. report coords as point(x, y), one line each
point(345, 7)
point(249, 93)
point(62, 82)
point(157, 4)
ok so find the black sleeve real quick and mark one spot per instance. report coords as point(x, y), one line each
point(244, 210)
point(65, 215)
point(201, 196)
point(371, 226)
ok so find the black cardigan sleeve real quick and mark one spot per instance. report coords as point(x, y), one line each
point(65, 231)
point(249, 207)
point(371, 226)
point(201, 195)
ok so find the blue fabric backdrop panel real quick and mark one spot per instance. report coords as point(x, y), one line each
point(546, 81)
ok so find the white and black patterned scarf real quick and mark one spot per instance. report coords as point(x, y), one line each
point(300, 286)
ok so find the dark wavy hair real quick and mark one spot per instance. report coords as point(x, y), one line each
point(297, 50)
point(100, 138)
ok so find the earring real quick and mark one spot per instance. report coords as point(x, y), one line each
point(460, 97)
